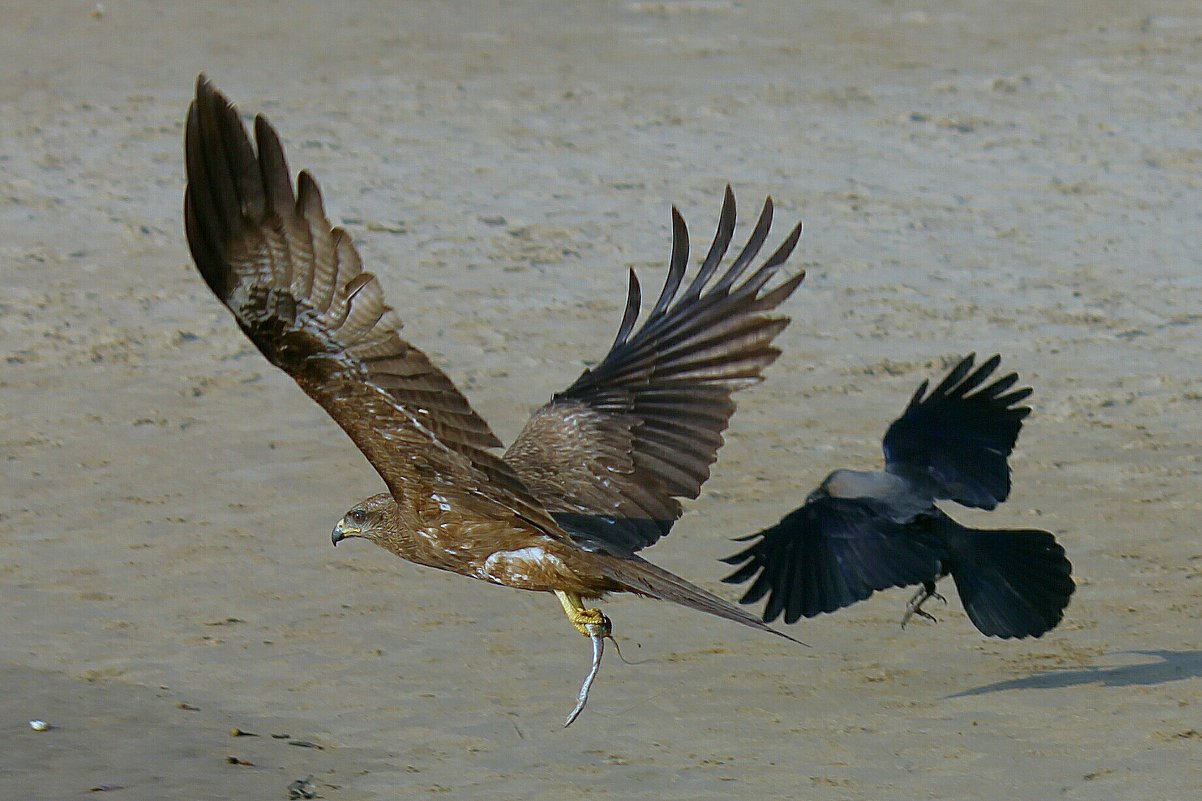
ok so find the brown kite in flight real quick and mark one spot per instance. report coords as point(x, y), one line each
point(597, 473)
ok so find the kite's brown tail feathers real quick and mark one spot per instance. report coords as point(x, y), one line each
point(643, 578)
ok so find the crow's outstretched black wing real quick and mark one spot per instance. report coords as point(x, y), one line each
point(956, 440)
point(831, 553)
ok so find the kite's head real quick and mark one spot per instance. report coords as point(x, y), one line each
point(368, 519)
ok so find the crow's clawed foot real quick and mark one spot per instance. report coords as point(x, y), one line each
point(914, 606)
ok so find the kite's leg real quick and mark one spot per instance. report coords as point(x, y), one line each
point(583, 619)
point(594, 625)
point(914, 607)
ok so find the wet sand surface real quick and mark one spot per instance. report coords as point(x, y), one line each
point(974, 176)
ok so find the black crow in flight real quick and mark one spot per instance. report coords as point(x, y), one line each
point(865, 531)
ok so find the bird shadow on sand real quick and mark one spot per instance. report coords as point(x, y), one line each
point(1170, 666)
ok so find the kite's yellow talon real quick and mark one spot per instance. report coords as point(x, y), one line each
point(588, 622)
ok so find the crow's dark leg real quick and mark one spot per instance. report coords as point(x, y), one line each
point(914, 607)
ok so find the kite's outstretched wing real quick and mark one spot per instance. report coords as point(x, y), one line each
point(296, 286)
point(956, 440)
point(610, 455)
point(831, 553)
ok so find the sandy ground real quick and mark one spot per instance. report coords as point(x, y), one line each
point(1014, 177)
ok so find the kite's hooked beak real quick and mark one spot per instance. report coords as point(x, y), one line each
point(342, 531)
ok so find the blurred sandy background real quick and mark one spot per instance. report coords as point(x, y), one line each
point(1018, 177)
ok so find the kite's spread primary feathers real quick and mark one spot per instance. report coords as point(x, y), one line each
point(598, 471)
